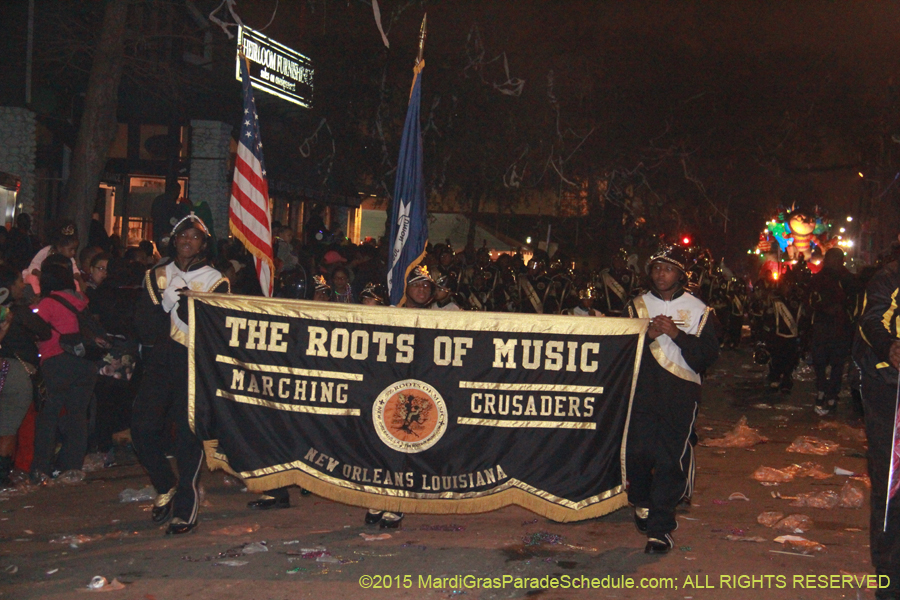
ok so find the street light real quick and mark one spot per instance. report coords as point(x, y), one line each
point(849, 219)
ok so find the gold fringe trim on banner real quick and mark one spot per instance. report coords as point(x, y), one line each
point(489, 502)
point(424, 319)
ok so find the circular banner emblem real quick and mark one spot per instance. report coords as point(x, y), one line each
point(409, 416)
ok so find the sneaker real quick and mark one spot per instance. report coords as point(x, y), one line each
point(641, 516)
point(659, 544)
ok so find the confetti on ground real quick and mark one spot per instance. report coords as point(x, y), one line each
point(450, 527)
point(542, 537)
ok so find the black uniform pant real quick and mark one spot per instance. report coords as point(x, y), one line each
point(160, 402)
point(734, 330)
point(659, 462)
point(879, 400)
point(785, 358)
point(834, 354)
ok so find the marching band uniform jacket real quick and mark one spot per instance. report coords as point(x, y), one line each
point(162, 310)
point(687, 356)
point(617, 289)
point(878, 326)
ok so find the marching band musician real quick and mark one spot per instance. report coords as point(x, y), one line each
point(419, 293)
point(585, 308)
point(737, 308)
point(619, 284)
point(876, 351)
point(784, 324)
point(164, 389)
point(680, 344)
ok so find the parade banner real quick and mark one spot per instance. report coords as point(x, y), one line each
point(409, 410)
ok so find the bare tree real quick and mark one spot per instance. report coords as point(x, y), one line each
point(98, 123)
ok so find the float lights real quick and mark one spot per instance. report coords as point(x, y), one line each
point(843, 230)
point(849, 219)
point(860, 174)
point(528, 240)
point(685, 240)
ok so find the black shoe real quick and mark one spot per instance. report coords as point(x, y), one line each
point(267, 502)
point(390, 520)
point(659, 545)
point(162, 507)
point(641, 516)
point(373, 517)
point(179, 526)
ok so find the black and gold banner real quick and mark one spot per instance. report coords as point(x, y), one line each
point(415, 410)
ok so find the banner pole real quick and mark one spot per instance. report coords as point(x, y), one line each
point(892, 472)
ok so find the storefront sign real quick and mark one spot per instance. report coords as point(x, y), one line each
point(275, 68)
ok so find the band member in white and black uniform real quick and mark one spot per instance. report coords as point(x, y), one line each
point(876, 351)
point(420, 289)
point(680, 344)
point(163, 397)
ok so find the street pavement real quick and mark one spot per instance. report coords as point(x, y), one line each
point(55, 539)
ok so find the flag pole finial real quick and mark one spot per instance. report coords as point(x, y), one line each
point(422, 31)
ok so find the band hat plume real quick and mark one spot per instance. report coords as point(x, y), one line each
point(420, 273)
point(374, 290)
point(321, 284)
point(588, 293)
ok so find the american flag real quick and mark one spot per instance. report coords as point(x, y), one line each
point(249, 218)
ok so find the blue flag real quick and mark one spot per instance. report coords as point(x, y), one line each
point(409, 223)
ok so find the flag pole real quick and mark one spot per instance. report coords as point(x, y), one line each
point(409, 227)
point(892, 472)
point(422, 33)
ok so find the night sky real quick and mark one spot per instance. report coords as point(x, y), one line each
point(685, 111)
point(760, 103)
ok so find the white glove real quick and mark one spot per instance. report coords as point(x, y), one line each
point(171, 295)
